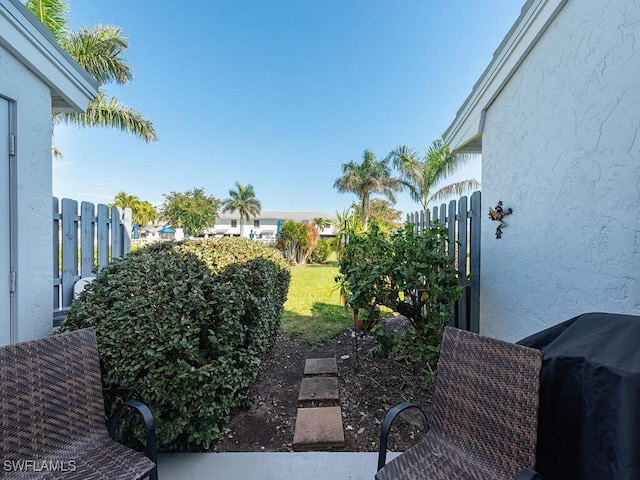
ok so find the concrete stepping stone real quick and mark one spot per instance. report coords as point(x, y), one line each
point(318, 388)
point(318, 428)
point(321, 366)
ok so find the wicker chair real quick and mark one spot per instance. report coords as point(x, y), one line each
point(52, 418)
point(484, 417)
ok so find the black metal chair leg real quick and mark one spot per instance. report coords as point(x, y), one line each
point(149, 429)
point(386, 426)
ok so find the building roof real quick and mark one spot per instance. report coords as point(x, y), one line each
point(24, 36)
point(464, 135)
point(297, 216)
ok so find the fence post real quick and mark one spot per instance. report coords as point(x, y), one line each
point(69, 249)
point(116, 234)
point(87, 231)
point(443, 214)
point(56, 253)
point(451, 224)
point(126, 231)
point(474, 293)
point(463, 252)
point(102, 238)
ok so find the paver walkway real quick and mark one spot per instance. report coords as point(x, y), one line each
point(320, 366)
point(318, 388)
point(319, 428)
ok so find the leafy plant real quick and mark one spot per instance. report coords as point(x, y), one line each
point(382, 211)
point(193, 211)
point(410, 273)
point(184, 327)
point(321, 253)
point(347, 224)
point(297, 241)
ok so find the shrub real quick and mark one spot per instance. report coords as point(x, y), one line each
point(297, 241)
point(321, 252)
point(184, 327)
point(410, 273)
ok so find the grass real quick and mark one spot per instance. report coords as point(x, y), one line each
point(313, 309)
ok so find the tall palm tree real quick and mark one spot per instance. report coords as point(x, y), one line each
point(242, 200)
point(421, 174)
point(366, 178)
point(99, 51)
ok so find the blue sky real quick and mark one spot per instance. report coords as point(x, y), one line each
point(278, 94)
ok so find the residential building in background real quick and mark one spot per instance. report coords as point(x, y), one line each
point(265, 225)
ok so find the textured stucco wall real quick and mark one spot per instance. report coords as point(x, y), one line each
point(561, 145)
point(34, 292)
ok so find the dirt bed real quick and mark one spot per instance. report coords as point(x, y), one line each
point(368, 387)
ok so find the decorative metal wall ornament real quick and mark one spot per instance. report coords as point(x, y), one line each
point(497, 215)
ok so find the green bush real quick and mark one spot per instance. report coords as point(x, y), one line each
point(297, 241)
point(184, 327)
point(321, 252)
point(410, 273)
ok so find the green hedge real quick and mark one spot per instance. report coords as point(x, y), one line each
point(184, 327)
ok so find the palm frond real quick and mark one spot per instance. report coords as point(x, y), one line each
point(99, 51)
point(458, 188)
point(112, 114)
point(54, 14)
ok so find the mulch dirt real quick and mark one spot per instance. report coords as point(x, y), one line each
point(368, 387)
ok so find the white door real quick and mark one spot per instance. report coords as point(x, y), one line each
point(5, 227)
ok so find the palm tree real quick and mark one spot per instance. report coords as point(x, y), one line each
point(363, 179)
point(321, 223)
point(346, 224)
point(421, 174)
point(142, 212)
point(99, 51)
point(242, 200)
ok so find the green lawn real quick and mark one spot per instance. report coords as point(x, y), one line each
point(313, 309)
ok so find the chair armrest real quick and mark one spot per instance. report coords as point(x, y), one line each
point(528, 474)
point(149, 429)
point(386, 426)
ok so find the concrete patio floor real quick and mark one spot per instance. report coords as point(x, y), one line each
point(269, 466)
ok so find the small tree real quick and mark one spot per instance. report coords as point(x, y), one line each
point(383, 212)
point(194, 211)
point(410, 273)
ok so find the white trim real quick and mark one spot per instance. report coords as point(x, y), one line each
point(30, 42)
point(465, 132)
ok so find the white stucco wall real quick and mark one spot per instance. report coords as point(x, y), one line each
point(34, 292)
point(561, 146)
